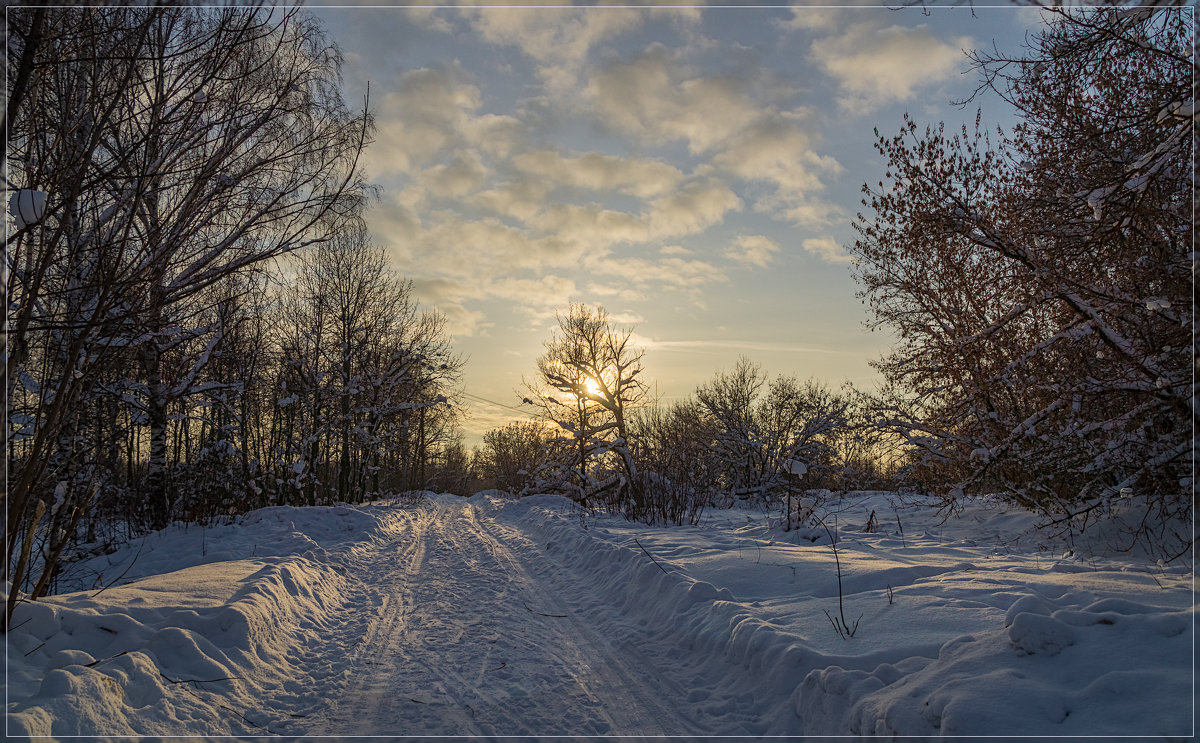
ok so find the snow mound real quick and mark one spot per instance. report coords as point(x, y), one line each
point(968, 627)
point(198, 634)
point(274, 531)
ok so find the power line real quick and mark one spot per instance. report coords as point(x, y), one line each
point(477, 398)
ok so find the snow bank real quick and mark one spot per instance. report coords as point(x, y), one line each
point(969, 626)
point(974, 625)
point(196, 647)
point(267, 532)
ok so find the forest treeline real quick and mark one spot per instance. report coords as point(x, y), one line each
point(198, 322)
point(1039, 284)
point(596, 436)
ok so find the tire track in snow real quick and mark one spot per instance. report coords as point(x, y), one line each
point(370, 705)
point(630, 688)
point(461, 646)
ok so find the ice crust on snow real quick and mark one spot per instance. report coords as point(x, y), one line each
point(977, 625)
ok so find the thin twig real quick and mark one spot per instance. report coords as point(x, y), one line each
point(19, 626)
point(199, 681)
point(639, 544)
point(126, 571)
point(540, 614)
point(222, 706)
point(96, 662)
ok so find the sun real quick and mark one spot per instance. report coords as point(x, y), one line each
point(591, 386)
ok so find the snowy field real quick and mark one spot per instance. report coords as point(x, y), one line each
point(491, 616)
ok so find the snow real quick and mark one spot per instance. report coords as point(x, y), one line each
point(442, 615)
point(27, 207)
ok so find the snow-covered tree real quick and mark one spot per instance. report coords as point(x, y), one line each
point(366, 379)
point(767, 442)
point(174, 147)
point(1040, 284)
point(512, 454)
point(588, 384)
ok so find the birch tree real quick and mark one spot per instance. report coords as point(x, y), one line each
point(151, 153)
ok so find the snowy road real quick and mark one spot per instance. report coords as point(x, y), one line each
point(466, 639)
point(491, 616)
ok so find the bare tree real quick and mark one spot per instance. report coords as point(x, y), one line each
point(592, 372)
point(766, 445)
point(1040, 285)
point(512, 454)
point(152, 152)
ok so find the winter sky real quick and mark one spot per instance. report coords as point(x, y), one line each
point(696, 171)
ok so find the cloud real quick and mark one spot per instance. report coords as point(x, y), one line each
point(659, 100)
point(827, 249)
point(811, 19)
point(589, 227)
point(519, 199)
point(593, 229)
point(724, 345)
point(693, 208)
point(806, 211)
point(625, 319)
point(462, 175)
point(540, 297)
point(777, 149)
point(494, 134)
point(752, 250)
point(621, 292)
point(876, 64)
point(670, 272)
point(740, 118)
point(559, 39)
point(423, 115)
point(640, 177)
point(462, 322)
point(449, 297)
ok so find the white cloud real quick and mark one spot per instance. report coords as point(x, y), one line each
point(520, 199)
point(625, 319)
point(671, 272)
point(693, 208)
point(493, 134)
point(778, 150)
point(540, 297)
point(724, 345)
point(448, 297)
point(461, 321)
point(589, 228)
point(640, 177)
point(462, 175)
point(827, 249)
point(558, 38)
point(876, 64)
point(752, 250)
point(621, 292)
point(811, 19)
point(659, 100)
point(421, 117)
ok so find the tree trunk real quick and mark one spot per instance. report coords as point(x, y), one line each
point(156, 413)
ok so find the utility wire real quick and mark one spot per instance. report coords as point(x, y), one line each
point(477, 398)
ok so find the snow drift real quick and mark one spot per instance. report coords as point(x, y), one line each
point(977, 625)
